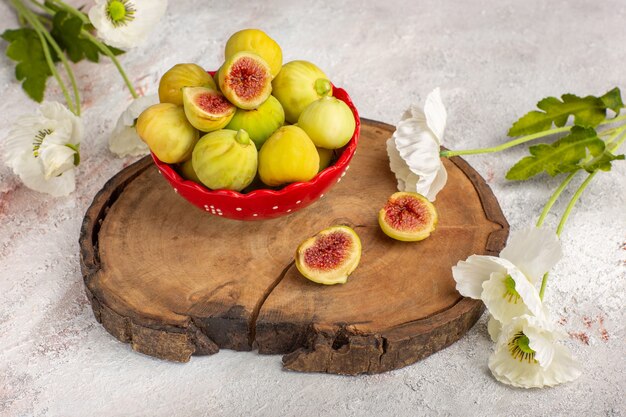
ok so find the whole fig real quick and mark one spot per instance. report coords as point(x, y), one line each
point(167, 132)
point(225, 160)
point(298, 84)
point(259, 123)
point(329, 122)
point(179, 76)
point(288, 156)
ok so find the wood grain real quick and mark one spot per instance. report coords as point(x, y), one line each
point(174, 281)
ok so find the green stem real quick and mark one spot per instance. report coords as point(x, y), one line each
point(524, 139)
point(573, 201)
point(105, 50)
point(102, 46)
point(72, 10)
point(32, 20)
point(570, 206)
point(554, 197)
point(21, 20)
point(615, 119)
point(510, 144)
point(66, 65)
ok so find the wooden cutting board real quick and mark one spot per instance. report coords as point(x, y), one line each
point(173, 280)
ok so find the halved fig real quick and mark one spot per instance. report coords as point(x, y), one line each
point(246, 80)
point(408, 217)
point(330, 256)
point(206, 109)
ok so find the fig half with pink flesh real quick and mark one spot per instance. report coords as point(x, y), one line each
point(206, 109)
point(246, 80)
point(330, 256)
point(409, 217)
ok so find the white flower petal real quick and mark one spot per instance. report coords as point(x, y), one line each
point(36, 150)
point(56, 159)
point(531, 374)
point(436, 114)
point(57, 111)
point(30, 172)
point(430, 186)
point(419, 149)
point(494, 328)
point(542, 342)
point(132, 33)
point(414, 148)
point(137, 106)
point(124, 140)
point(503, 307)
point(534, 251)
point(471, 273)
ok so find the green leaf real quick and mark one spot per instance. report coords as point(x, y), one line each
point(66, 30)
point(602, 162)
point(613, 100)
point(32, 69)
point(564, 155)
point(115, 51)
point(588, 111)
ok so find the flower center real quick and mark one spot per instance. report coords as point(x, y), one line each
point(39, 137)
point(120, 12)
point(510, 292)
point(520, 349)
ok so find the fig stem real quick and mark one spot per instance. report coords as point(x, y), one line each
point(242, 137)
point(323, 86)
point(523, 139)
point(571, 204)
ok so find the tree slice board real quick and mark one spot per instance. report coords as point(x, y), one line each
point(173, 280)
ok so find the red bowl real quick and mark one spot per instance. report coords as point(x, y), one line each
point(265, 203)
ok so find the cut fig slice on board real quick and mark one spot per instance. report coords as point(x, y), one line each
point(330, 256)
point(409, 217)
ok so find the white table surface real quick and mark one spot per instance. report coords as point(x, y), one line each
point(493, 61)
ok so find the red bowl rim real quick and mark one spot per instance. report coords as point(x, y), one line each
point(330, 171)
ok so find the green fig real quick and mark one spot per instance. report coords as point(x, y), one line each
point(225, 160)
point(166, 131)
point(206, 109)
point(329, 122)
point(187, 172)
point(326, 156)
point(179, 76)
point(298, 84)
point(288, 156)
point(260, 123)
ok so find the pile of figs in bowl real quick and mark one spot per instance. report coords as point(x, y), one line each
point(255, 139)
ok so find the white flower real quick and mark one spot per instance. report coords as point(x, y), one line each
point(43, 150)
point(414, 148)
point(527, 355)
point(126, 23)
point(506, 284)
point(124, 139)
